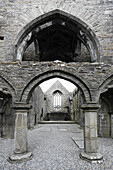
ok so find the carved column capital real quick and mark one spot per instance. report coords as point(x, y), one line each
point(21, 106)
point(90, 106)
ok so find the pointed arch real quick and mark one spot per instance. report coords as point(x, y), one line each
point(52, 73)
point(84, 33)
point(7, 87)
point(106, 84)
point(57, 99)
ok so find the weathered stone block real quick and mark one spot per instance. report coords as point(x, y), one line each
point(21, 140)
point(91, 145)
point(19, 120)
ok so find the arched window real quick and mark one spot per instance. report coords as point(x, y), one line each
point(57, 102)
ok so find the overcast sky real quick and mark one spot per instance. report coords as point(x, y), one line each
point(47, 84)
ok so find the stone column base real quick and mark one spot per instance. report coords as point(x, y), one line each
point(20, 157)
point(91, 157)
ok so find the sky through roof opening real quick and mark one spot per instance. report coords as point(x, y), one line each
point(47, 84)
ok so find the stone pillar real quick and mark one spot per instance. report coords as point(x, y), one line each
point(21, 150)
point(111, 115)
point(90, 134)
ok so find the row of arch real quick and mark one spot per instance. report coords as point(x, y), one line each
point(83, 33)
point(52, 73)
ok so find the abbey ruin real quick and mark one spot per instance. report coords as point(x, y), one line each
point(33, 36)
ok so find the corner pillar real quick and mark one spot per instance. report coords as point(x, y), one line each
point(90, 134)
point(21, 149)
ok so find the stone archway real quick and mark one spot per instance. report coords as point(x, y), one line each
point(6, 86)
point(106, 84)
point(75, 29)
point(59, 72)
point(54, 72)
point(90, 111)
point(60, 25)
point(106, 91)
point(7, 118)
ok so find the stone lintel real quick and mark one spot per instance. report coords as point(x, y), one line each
point(90, 106)
point(91, 157)
point(21, 106)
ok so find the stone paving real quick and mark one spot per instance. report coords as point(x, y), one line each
point(54, 149)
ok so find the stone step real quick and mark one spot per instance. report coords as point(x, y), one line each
point(79, 142)
point(56, 122)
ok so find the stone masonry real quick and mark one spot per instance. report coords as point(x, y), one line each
point(33, 35)
point(65, 96)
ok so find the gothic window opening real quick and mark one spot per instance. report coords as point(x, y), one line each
point(57, 100)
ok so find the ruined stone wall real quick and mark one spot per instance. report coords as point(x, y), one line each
point(38, 111)
point(8, 120)
point(19, 74)
point(57, 86)
point(14, 15)
point(76, 111)
point(104, 120)
point(41, 103)
point(74, 106)
point(20, 78)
